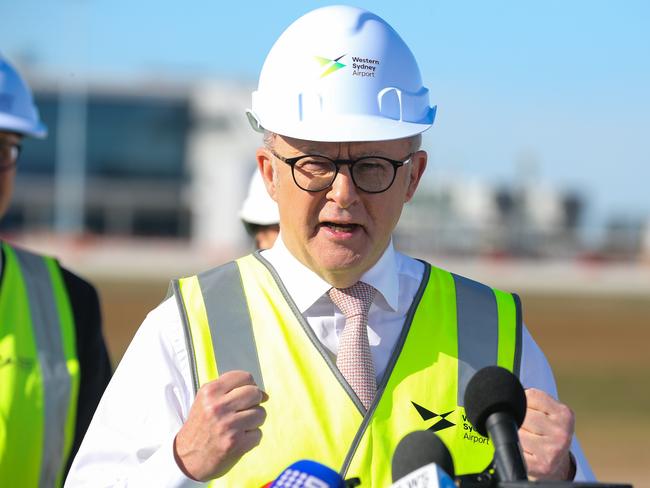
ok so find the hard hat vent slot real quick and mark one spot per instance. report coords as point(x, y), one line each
point(310, 105)
point(363, 18)
point(390, 103)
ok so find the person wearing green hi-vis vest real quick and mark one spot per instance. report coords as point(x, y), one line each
point(54, 365)
point(332, 345)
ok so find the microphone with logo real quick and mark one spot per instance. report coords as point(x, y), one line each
point(307, 474)
point(421, 460)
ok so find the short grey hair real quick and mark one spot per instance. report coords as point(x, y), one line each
point(415, 142)
point(267, 139)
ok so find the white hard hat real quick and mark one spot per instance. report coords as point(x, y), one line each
point(259, 208)
point(339, 74)
point(17, 110)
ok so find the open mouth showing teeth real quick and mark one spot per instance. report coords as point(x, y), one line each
point(341, 227)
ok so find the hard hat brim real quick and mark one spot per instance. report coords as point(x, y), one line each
point(22, 126)
point(345, 127)
point(254, 218)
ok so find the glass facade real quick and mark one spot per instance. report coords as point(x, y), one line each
point(135, 155)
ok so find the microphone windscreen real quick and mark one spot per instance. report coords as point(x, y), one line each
point(417, 449)
point(308, 474)
point(494, 389)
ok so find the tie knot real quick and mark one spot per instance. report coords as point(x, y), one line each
point(354, 300)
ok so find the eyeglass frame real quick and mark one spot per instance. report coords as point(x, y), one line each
point(337, 164)
point(13, 159)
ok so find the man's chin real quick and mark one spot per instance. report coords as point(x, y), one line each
point(342, 268)
point(340, 255)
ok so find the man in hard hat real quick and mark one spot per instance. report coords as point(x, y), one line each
point(331, 345)
point(259, 213)
point(54, 365)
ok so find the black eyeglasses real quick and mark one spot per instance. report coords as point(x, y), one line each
point(371, 174)
point(9, 153)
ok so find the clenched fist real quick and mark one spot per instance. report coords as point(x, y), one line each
point(545, 437)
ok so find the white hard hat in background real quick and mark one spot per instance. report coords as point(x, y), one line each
point(339, 74)
point(17, 110)
point(259, 208)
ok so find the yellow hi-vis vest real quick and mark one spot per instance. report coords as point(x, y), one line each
point(39, 371)
point(240, 316)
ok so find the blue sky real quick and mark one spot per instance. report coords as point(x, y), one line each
point(563, 83)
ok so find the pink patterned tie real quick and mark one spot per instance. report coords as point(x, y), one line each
point(354, 359)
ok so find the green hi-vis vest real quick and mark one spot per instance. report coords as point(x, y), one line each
point(39, 371)
point(240, 316)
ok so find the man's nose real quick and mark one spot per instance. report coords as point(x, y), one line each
point(343, 190)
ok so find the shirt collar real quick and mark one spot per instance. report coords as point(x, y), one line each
point(305, 287)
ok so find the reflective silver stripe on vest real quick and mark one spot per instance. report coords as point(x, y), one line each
point(175, 290)
point(230, 321)
point(478, 330)
point(54, 371)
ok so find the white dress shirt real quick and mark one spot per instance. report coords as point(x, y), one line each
point(130, 439)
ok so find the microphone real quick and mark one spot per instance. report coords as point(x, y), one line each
point(495, 404)
point(307, 474)
point(421, 460)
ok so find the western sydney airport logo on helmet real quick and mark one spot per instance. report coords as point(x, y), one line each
point(364, 67)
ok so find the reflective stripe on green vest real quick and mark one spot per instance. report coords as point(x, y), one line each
point(39, 371)
point(240, 316)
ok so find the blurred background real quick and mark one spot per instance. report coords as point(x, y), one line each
point(537, 180)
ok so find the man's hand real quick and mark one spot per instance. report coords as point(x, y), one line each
point(546, 437)
point(223, 425)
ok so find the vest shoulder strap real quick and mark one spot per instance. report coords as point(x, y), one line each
point(224, 309)
point(489, 330)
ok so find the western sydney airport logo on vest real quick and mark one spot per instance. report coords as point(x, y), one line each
point(442, 423)
point(364, 67)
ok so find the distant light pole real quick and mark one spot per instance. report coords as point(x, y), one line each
point(70, 167)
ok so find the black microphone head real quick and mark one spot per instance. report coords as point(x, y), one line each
point(494, 389)
point(417, 449)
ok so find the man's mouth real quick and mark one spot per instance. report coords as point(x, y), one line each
point(337, 227)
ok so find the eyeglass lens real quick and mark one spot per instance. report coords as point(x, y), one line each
point(8, 154)
point(370, 174)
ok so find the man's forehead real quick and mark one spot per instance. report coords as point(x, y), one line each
point(9, 136)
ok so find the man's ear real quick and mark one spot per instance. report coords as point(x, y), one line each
point(265, 166)
point(418, 165)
